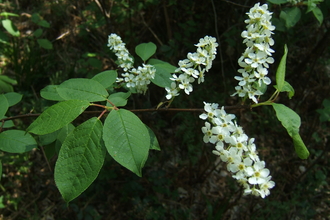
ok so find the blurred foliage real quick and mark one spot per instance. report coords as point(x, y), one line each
point(46, 42)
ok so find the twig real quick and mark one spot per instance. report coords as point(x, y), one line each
point(220, 51)
point(139, 110)
point(44, 154)
point(167, 20)
point(234, 3)
point(152, 32)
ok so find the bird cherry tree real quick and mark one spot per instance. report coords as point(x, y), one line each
point(120, 133)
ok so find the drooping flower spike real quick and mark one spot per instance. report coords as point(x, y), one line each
point(194, 67)
point(137, 78)
point(237, 150)
point(255, 61)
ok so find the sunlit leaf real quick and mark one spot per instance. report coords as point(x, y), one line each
point(83, 89)
point(57, 116)
point(163, 75)
point(16, 141)
point(300, 147)
point(291, 122)
point(10, 27)
point(4, 105)
point(13, 98)
point(118, 98)
point(50, 93)
point(62, 135)
point(106, 78)
point(126, 139)
point(280, 73)
point(145, 50)
point(80, 159)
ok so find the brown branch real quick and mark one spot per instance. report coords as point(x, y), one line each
point(234, 3)
point(138, 110)
point(20, 116)
point(152, 32)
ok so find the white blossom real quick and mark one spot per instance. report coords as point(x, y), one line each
point(194, 67)
point(237, 150)
point(139, 78)
point(257, 56)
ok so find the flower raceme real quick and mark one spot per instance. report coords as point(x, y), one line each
point(115, 44)
point(237, 150)
point(255, 61)
point(138, 78)
point(193, 67)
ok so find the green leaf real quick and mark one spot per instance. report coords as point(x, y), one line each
point(50, 150)
point(126, 139)
point(46, 44)
point(6, 14)
point(300, 147)
point(119, 98)
point(16, 141)
point(163, 74)
point(10, 27)
point(3, 105)
point(8, 80)
point(57, 116)
point(62, 134)
point(48, 138)
point(279, 24)
point(82, 89)
point(288, 88)
point(318, 14)
point(154, 145)
point(291, 122)
point(311, 5)
point(6, 84)
point(0, 173)
point(13, 98)
point(262, 88)
point(44, 23)
point(37, 33)
point(2, 203)
point(289, 119)
point(80, 159)
point(324, 112)
point(145, 50)
point(153, 61)
point(291, 16)
point(4, 39)
point(280, 73)
point(8, 124)
point(106, 78)
point(50, 93)
point(37, 19)
point(278, 2)
point(5, 87)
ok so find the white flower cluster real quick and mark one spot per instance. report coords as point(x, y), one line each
point(193, 67)
point(134, 78)
point(115, 44)
point(235, 148)
point(257, 56)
